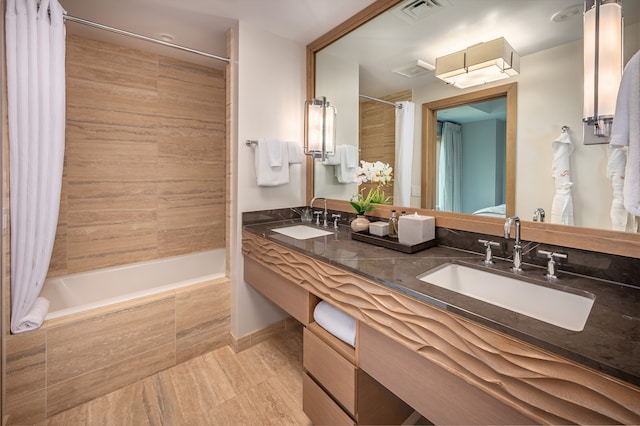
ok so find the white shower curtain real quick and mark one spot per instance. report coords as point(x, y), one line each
point(450, 169)
point(35, 50)
point(404, 153)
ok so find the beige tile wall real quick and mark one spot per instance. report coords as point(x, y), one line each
point(69, 362)
point(144, 173)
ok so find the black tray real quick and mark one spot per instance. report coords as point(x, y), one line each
point(391, 243)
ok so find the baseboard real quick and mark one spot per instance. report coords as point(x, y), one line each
point(245, 342)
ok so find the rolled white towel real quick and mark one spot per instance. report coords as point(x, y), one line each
point(35, 316)
point(336, 322)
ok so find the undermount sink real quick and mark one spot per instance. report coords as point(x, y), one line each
point(563, 309)
point(302, 232)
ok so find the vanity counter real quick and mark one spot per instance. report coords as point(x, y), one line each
point(609, 343)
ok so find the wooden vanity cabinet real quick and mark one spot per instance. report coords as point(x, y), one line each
point(449, 368)
point(293, 299)
point(431, 390)
point(337, 391)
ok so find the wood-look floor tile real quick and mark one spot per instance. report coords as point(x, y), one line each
point(236, 411)
point(270, 406)
point(183, 392)
point(203, 391)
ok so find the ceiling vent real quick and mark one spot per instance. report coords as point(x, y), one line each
point(413, 11)
point(414, 69)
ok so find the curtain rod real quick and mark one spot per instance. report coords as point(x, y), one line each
point(141, 37)
point(395, 104)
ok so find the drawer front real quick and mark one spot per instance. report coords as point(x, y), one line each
point(292, 298)
point(438, 395)
point(319, 407)
point(329, 368)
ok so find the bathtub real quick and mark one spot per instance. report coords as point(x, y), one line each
point(112, 327)
point(75, 293)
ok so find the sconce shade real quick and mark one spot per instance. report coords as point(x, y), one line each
point(479, 64)
point(320, 128)
point(602, 62)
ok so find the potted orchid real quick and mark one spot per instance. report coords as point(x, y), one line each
point(380, 175)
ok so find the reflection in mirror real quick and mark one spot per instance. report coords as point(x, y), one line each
point(470, 156)
point(468, 152)
point(550, 92)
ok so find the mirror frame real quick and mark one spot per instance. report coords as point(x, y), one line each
point(429, 137)
point(597, 240)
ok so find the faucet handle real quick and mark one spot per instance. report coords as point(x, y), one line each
point(317, 214)
point(488, 257)
point(336, 218)
point(552, 264)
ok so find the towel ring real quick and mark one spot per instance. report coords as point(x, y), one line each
point(565, 129)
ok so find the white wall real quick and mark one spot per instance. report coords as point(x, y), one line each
point(338, 80)
point(271, 77)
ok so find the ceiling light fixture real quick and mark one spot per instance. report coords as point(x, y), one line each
point(479, 64)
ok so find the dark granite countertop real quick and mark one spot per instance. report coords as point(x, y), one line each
point(610, 341)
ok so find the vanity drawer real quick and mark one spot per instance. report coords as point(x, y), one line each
point(434, 392)
point(290, 297)
point(319, 407)
point(336, 374)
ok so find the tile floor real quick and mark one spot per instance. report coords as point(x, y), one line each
point(261, 385)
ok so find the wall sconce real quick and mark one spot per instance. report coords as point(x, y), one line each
point(320, 128)
point(602, 66)
point(479, 64)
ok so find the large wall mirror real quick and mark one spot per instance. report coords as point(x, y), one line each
point(381, 53)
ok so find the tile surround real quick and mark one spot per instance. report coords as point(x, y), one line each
point(68, 362)
point(144, 172)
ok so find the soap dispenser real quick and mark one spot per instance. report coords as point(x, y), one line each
point(393, 225)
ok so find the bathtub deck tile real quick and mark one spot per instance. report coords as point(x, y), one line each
point(26, 409)
point(25, 363)
point(87, 346)
point(78, 390)
point(184, 391)
point(203, 320)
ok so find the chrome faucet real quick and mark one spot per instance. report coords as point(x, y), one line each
point(517, 247)
point(538, 214)
point(324, 214)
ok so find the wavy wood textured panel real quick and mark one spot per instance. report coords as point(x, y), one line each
point(543, 386)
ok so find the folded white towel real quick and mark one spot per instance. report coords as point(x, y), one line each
point(295, 151)
point(336, 322)
point(35, 316)
point(626, 131)
point(275, 151)
point(267, 175)
point(345, 170)
point(351, 156)
point(334, 159)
